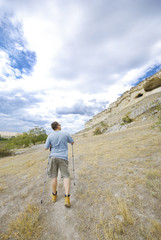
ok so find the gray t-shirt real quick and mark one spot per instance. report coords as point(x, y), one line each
point(58, 140)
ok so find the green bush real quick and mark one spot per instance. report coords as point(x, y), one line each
point(36, 135)
point(38, 138)
point(3, 139)
point(97, 131)
point(127, 119)
point(104, 124)
point(5, 152)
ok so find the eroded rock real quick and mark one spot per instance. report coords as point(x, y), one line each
point(152, 84)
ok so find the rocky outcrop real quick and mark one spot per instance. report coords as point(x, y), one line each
point(152, 84)
point(131, 98)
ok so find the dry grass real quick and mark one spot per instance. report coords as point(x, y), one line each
point(25, 227)
point(152, 232)
point(119, 182)
point(28, 163)
point(153, 173)
point(123, 210)
point(115, 225)
point(21, 179)
point(3, 186)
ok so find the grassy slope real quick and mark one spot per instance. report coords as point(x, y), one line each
point(120, 185)
point(117, 193)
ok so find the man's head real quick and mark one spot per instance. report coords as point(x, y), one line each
point(56, 126)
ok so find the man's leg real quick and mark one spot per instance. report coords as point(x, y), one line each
point(54, 189)
point(54, 185)
point(65, 173)
point(67, 192)
point(67, 186)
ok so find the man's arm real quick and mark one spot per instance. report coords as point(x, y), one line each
point(70, 139)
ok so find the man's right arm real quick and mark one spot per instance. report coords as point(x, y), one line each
point(70, 139)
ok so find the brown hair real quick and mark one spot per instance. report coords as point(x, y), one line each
point(54, 125)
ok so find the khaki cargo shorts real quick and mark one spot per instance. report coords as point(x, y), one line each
point(55, 164)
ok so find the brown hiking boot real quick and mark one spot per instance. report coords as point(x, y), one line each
point(54, 197)
point(67, 201)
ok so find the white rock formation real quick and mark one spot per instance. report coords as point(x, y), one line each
point(148, 87)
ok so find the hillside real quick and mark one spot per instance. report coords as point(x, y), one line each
point(134, 103)
point(118, 180)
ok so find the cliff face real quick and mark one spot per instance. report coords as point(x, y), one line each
point(137, 100)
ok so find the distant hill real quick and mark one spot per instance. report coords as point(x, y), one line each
point(8, 134)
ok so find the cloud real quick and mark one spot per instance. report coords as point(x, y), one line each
point(15, 111)
point(70, 59)
point(113, 38)
point(80, 108)
point(16, 101)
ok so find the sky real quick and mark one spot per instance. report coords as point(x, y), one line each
point(66, 61)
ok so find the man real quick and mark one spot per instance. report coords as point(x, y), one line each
point(58, 144)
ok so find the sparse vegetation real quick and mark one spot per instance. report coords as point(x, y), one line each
point(114, 186)
point(158, 107)
point(126, 119)
point(26, 226)
point(5, 152)
point(153, 182)
point(97, 131)
point(103, 124)
point(159, 123)
point(100, 128)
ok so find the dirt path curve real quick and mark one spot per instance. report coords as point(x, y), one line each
point(59, 222)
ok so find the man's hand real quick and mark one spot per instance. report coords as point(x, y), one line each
point(72, 143)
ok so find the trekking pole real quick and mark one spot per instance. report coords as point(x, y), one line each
point(73, 164)
point(44, 182)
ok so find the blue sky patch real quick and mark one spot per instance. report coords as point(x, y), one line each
point(14, 44)
point(149, 73)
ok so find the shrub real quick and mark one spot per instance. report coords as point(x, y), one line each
point(26, 139)
point(104, 124)
point(3, 139)
point(36, 135)
point(127, 119)
point(5, 152)
point(97, 131)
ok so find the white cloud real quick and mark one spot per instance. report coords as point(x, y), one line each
point(84, 51)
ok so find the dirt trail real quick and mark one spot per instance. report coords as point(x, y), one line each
point(59, 222)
